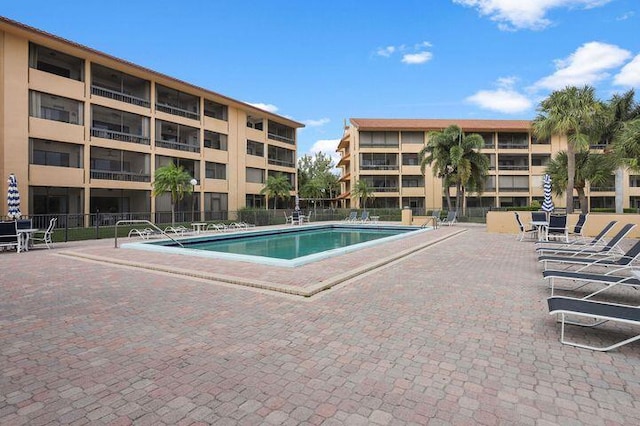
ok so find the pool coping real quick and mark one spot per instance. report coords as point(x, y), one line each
point(305, 292)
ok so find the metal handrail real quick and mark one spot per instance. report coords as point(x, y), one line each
point(131, 221)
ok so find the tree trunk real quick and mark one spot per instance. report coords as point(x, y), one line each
point(620, 190)
point(584, 206)
point(571, 175)
point(447, 194)
point(173, 214)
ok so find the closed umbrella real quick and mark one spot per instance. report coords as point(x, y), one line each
point(547, 204)
point(13, 198)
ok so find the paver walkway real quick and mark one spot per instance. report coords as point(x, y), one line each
point(457, 333)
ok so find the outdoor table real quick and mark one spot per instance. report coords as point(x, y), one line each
point(542, 227)
point(375, 219)
point(24, 235)
point(199, 226)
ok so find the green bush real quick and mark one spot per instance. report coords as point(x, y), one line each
point(602, 210)
point(635, 211)
point(259, 217)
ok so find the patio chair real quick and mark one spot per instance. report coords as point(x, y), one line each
point(613, 244)
point(612, 260)
point(364, 218)
point(451, 218)
point(539, 217)
point(558, 227)
point(601, 312)
point(577, 229)
point(584, 278)
point(46, 235)
point(523, 232)
point(595, 241)
point(9, 237)
point(296, 218)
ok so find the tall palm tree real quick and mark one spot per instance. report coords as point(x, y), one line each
point(175, 180)
point(619, 110)
point(593, 168)
point(627, 144)
point(277, 186)
point(363, 192)
point(571, 112)
point(454, 158)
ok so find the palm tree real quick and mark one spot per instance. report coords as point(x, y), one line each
point(277, 186)
point(627, 144)
point(175, 180)
point(593, 168)
point(455, 159)
point(571, 112)
point(363, 192)
point(619, 111)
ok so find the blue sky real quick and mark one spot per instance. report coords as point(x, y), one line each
point(322, 62)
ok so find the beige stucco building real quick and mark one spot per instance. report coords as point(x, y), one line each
point(384, 153)
point(85, 131)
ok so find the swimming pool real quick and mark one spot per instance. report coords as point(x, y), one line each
point(288, 247)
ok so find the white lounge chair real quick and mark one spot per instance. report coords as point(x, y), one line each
point(451, 218)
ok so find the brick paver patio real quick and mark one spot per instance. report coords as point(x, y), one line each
point(456, 333)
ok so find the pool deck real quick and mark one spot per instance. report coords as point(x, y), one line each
point(455, 331)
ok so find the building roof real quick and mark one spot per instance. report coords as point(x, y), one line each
point(23, 29)
point(438, 124)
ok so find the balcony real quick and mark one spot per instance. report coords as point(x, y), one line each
point(385, 188)
point(177, 136)
point(179, 146)
point(120, 165)
point(119, 96)
point(280, 132)
point(119, 125)
point(365, 166)
point(120, 176)
point(514, 189)
point(281, 156)
point(513, 140)
point(512, 167)
point(119, 136)
point(178, 103)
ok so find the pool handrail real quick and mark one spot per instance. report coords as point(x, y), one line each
point(132, 221)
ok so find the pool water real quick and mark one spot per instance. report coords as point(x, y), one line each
point(289, 247)
point(293, 245)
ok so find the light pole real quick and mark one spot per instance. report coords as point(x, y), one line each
point(193, 183)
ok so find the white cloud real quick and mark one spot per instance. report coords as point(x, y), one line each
point(417, 58)
point(629, 75)
point(386, 51)
point(504, 99)
point(267, 107)
point(524, 14)
point(587, 65)
point(625, 16)
point(316, 123)
point(328, 147)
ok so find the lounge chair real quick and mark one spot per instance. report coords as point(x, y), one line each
point(612, 260)
point(584, 278)
point(523, 232)
point(539, 217)
point(558, 227)
point(579, 226)
point(613, 244)
point(46, 235)
point(145, 233)
point(601, 312)
point(353, 216)
point(595, 241)
point(218, 227)
point(365, 217)
point(451, 218)
point(178, 230)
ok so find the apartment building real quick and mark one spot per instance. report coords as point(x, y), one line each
point(84, 131)
point(384, 153)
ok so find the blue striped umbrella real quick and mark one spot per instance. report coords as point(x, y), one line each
point(13, 198)
point(547, 204)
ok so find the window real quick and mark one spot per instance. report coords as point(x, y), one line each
point(514, 183)
point(215, 140)
point(177, 136)
point(410, 159)
point(540, 160)
point(255, 175)
point(382, 183)
point(413, 181)
point(216, 205)
point(114, 84)
point(215, 110)
point(489, 139)
point(216, 171)
point(513, 140)
point(119, 125)
point(290, 177)
point(255, 148)
point(56, 108)
point(634, 181)
point(175, 102)
point(281, 156)
point(412, 137)
point(536, 141)
point(379, 139)
point(255, 122)
point(54, 62)
point(280, 132)
point(379, 161)
point(255, 201)
point(51, 153)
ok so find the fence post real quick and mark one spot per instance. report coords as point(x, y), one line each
point(97, 224)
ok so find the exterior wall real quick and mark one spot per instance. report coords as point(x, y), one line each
point(432, 191)
point(505, 222)
point(17, 79)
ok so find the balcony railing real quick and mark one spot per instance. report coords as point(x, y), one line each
point(120, 175)
point(283, 163)
point(119, 136)
point(177, 111)
point(380, 167)
point(179, 146)
point(281, 138)
point(513, 145)
point(514, 188)
point(119, 96)
point(386, 189)
point(512, 167)
point(603, 188)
